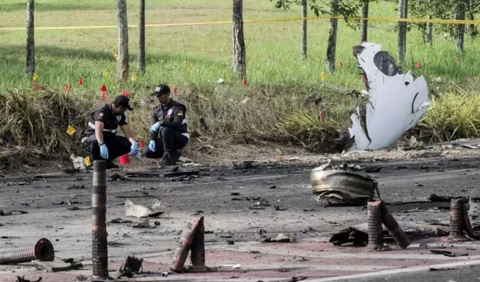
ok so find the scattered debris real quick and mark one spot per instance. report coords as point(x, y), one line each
point(341, 187)
point(13, 212)
point(119, 221)
point(143, 223)
point(358, 234)
point(78, 162)
point(396, 102)
point(117, 176)
point(281, 238)
point(448, 253)
point(130, 266)
point(295, 279)
point(75, 187)
point(139, 211)
point(79, 208)
point(59, 265)
point(22, 279)
point(441, 269)
point(350, 235)
point(243, 165)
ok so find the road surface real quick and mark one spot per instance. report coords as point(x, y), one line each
point(58, 209)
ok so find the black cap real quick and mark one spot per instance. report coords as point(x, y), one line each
point(123, 101)
point(161, 89)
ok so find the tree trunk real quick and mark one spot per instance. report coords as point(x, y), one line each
point(239, 61)
point(460, 15)
point(141, 35)
point(472, 29)
point(402, 31)
point(332, 37)
point(123, 57)
point(364, 23)
point(30, 38)
point(429, 34)
point(304, 30)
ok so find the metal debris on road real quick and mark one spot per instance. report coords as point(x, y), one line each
point(12, 212)
point(22, 279)
point(58, 265)
point(333, 186)
point(130, 266)
point(140, 211)
point(42, 251)
point(448, 253)
point(119, 221)
point(281, 238)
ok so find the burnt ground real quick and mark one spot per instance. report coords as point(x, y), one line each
point(58, 207)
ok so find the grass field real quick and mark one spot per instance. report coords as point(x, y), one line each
point(195, 57)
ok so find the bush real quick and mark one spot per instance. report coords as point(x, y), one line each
point(452, 115)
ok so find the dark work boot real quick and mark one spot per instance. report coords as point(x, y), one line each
point(167, 159)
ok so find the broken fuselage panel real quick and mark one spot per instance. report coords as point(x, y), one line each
point(396, 101)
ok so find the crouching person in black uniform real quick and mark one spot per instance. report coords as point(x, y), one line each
point(169, 131)
point(100, 138)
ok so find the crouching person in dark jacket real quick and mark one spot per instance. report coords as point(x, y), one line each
point(100, 138)
point(168, 133)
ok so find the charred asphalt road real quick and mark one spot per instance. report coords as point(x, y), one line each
point(237, 204)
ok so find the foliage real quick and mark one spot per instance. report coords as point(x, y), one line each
point(453, 115)
point(345, 9)
point(442, 9)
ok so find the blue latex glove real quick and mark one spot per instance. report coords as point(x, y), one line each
point(152, 145)
point(156, 126)
point(134, 149)
point(104, 151)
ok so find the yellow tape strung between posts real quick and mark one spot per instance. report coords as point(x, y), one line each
point(376, 19)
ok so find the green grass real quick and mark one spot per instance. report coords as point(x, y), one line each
point(202, 54)
point(195, 57)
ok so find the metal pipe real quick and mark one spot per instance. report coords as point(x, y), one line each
point(393, 227)
point(457, 220)
point(99, 229)
point(375, 231)
point(185, 243)
point(42, 251)
point(467, 225)
point(197, 254)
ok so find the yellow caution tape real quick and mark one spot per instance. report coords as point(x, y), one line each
point(377, 19)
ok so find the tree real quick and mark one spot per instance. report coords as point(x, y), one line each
point(332, 37)
point(141, 35)
point(344, 8)
point(30, 38)
point(239, 60)
point(460, 15)
point(364, 23)
point(304, 30)
point(402, 30)
point(123, 56)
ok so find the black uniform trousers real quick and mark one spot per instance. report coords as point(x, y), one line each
point(116, 145)
point(171, 140)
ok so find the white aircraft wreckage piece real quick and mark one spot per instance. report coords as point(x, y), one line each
point(396, 102)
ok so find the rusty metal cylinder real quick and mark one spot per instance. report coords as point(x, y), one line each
point(393, 227)
point(375, 231)
point(197, 254)
point(185, 243)
point(99, 228)
point(42, 251)
point(457, 207)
